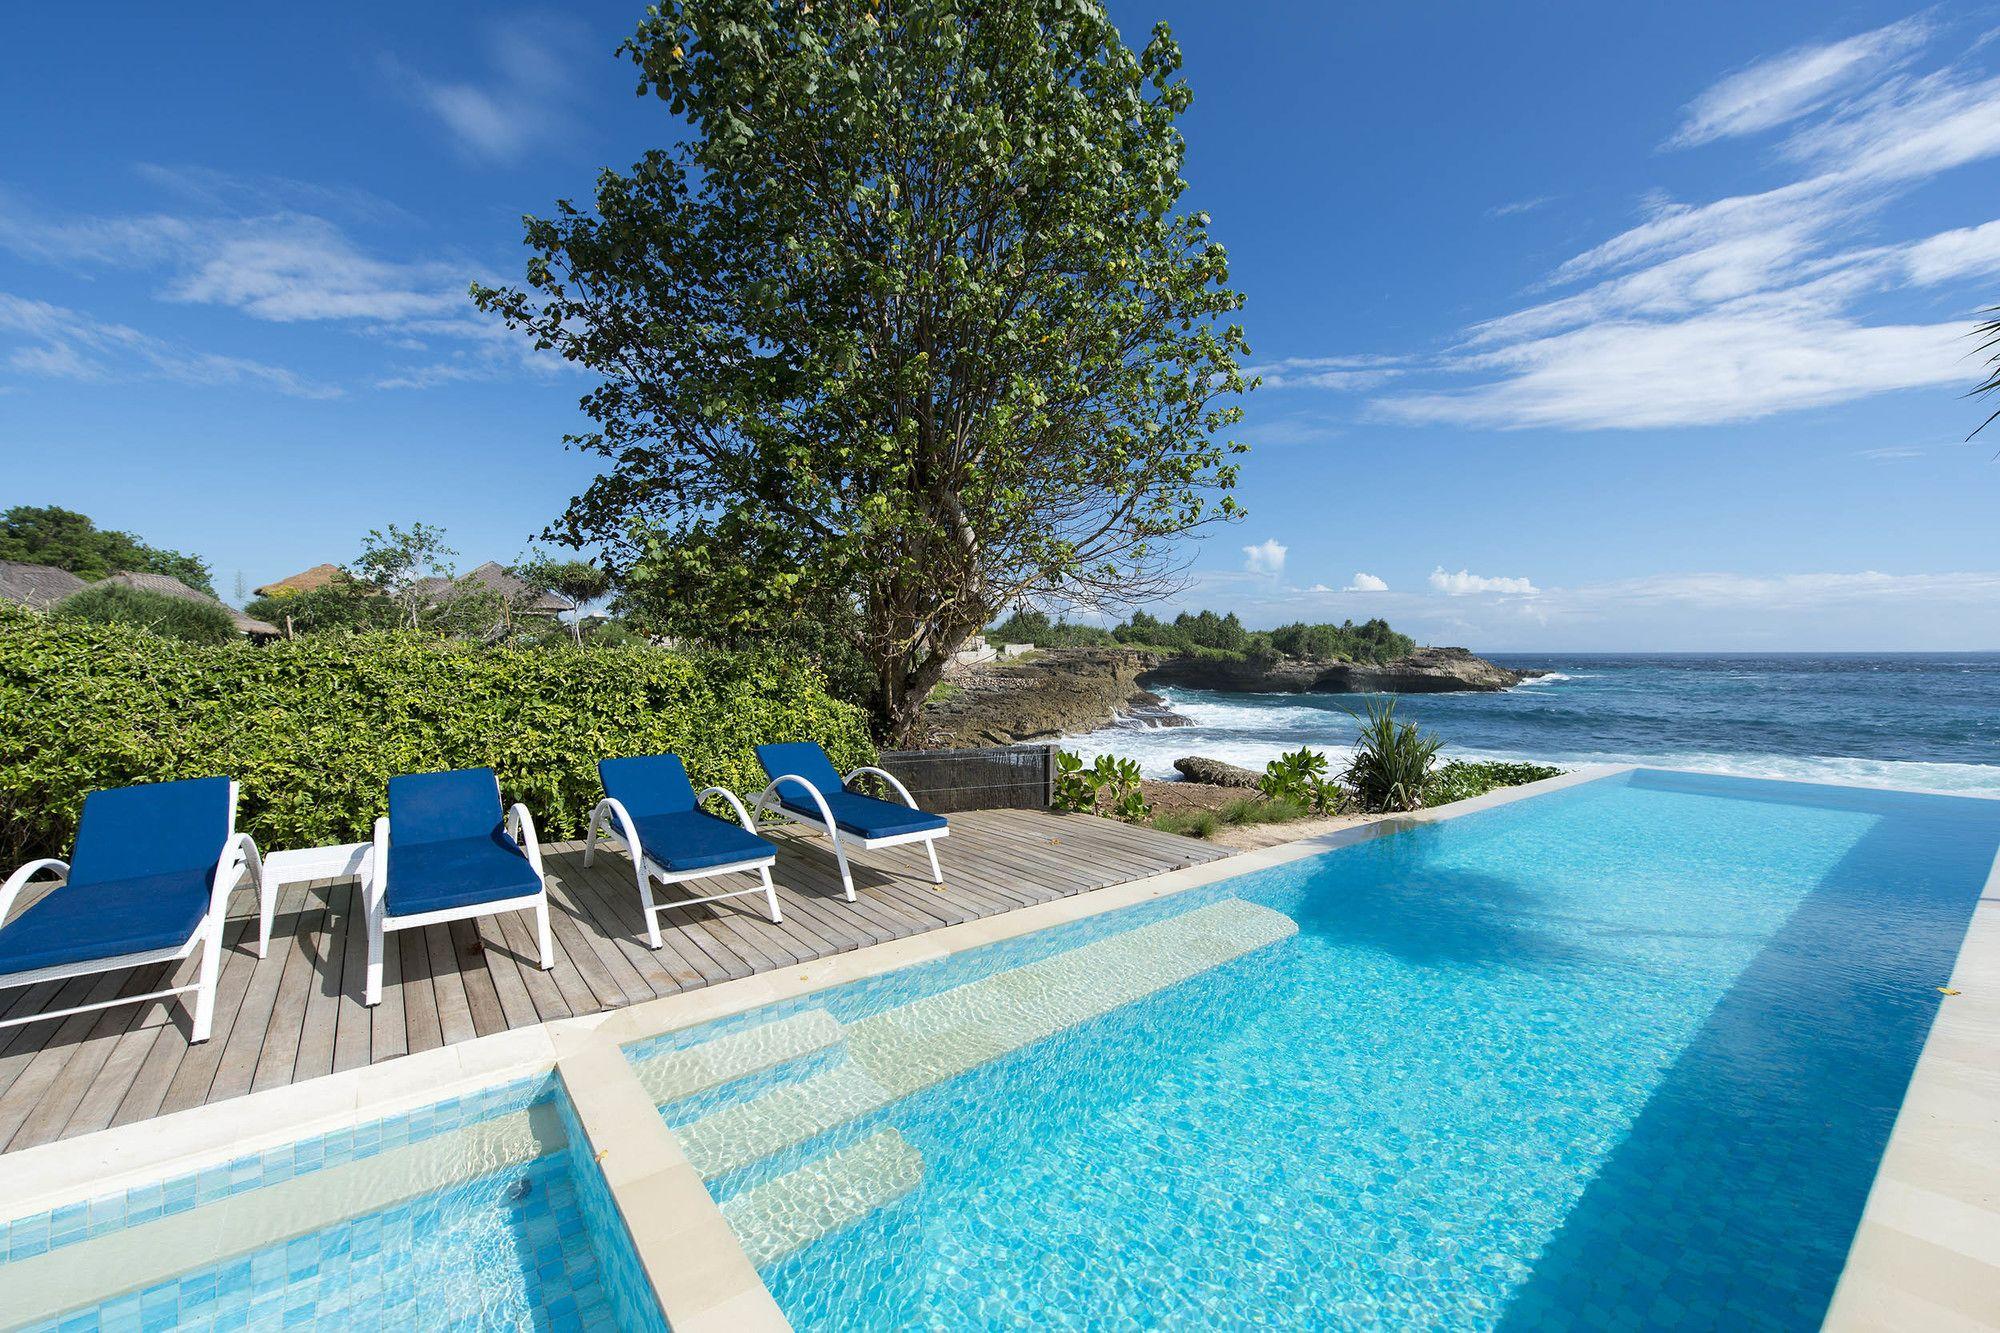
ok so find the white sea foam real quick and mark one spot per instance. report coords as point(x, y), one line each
point(1157, 748)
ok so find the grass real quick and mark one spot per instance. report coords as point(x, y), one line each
point(944, 692)
point(1246, 810)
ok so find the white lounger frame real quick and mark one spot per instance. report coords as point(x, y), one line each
point(612, 821)
point(238, 854)
point(825, 823)
point(521, 828)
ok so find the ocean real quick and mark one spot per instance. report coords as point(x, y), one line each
point(1922, 720)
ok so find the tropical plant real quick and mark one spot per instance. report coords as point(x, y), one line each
point(50, 535)
point(1463, 779)
point(342, 603)
point(909, 312)
point(1988, 334)
point(1299, 779)
point(1392, 761)
point(1110, 785)
point(158, 613)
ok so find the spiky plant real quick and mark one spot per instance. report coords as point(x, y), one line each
point(1392, 761)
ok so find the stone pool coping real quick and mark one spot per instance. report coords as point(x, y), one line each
point(1927, 1253)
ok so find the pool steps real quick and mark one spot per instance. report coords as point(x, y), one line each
point(812, 1074)
point(134, 1257)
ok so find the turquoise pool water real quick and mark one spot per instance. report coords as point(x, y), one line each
point(521, 1233)
point(1624, 1055)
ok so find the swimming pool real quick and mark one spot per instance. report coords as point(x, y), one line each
point(1625, 1054)
point(481, 1212)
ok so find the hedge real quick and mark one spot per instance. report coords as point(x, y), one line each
point(313, 729)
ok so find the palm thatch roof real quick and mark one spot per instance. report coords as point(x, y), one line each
point(306, 580)
point(37, 587)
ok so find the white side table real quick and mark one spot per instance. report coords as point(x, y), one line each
point(280, 868)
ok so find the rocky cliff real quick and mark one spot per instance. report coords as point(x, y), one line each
point(1062, 690)
point(1054, 691)
point(1426, 671)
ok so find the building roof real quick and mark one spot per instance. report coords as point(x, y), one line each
point(493, 577)
point(168, 586)
point(306, 580)
point(37, 587)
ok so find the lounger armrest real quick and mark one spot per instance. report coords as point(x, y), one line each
point(894, 782)
point(238, 854)
point(521, 827)
point(19, 880)
point(735, 803)
point(607, 810)
point(375, 884)
point(812, 791)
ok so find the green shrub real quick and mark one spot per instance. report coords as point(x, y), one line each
point(1109, 786)
point(1299, 778)
point(1392, 761)
point(313, 729)
point(1461, 779)
point(155, 612)
point(1263, 810)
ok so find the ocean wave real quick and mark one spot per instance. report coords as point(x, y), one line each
point(1156, 750)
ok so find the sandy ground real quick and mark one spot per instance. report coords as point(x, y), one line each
point(1172, 796)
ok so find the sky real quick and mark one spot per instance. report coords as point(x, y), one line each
point(1582, 327)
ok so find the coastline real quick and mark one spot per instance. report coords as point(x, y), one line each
point(1912, 721)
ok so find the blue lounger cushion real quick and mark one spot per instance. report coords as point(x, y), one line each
point(691, 840)
point(448, 844)
point(140, 880)
point(80, 922)
point(652, 784)
point(863, 816)
point(457, 872)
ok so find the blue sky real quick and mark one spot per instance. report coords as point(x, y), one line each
point(1583, 327)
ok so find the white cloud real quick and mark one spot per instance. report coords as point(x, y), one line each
point(1465, 582)
point(1891, 453)
point(294, 268)
point(244, 251)
point(518, 103)
point(1955, 254)
point(1267, 557)
point(1733, 365)
point(1365, 583)
point(62, 343)
point(1520, 206)
point(1350, 373)
point(1781, 89)
point(1753, 304)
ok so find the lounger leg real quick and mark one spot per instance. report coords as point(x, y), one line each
point(771, 896)
point(211, 970)
point(590, 840)
point(648, 909)
point(267, 904)
point(840, 855)
point(937, 874)
point(373, 911)
point(542, 925)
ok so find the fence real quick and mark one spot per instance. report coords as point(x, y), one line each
point(1011, 777)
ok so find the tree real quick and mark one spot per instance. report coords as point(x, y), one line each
point(68, 540)
point(406, 566)
point(344, 603)
point(910, 315)
point(579, 581)
point(1989, 347)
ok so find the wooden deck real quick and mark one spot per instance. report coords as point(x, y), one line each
point(297, 1014)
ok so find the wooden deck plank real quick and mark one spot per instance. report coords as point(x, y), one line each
point(299, 1013)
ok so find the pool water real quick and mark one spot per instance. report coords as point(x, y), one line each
point(482, 1213)
point(1621, 1055)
